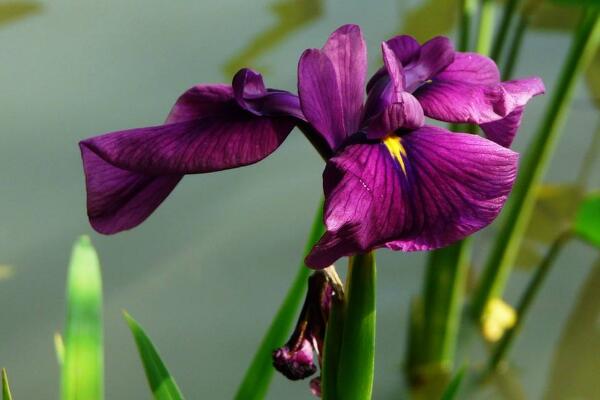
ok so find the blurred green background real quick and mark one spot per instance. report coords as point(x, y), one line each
point(206, 272)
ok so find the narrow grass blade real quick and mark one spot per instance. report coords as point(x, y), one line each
point(82, 374)
point(6, 395)
point(260, 372)
point(587, 220)
point(161, 382)
point(451, 391)
point(357, 359)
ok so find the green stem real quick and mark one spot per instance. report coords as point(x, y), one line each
point(444, 291)
point(467, 11)
point(486, 27)
point(500, 38)
point(332, 349)
point(515, 47)
point(520, 205)
point(357, 358)
point(258, 375)
point(530, 293)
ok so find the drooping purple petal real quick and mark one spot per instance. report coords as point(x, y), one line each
point(331, 82)
point(422, 191)
point(129, 173)
point(251, 95)
point(118, 199)
point(504, 130)
point(453, 99)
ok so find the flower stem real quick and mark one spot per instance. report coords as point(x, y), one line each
point(500, 38)
point(530, 293)
point(258, 375)
point(515, 47)
point(520, 205)
point(332, 348)
point(486, 27)
point(467, 11)
point(444, 291)
point(357, 357)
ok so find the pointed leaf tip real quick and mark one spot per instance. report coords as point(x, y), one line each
point(161, 382)
point(6, 395)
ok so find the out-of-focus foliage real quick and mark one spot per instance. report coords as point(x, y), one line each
point(6, 395)
point(452, 390)
point(161, 382)
point(558, 16)
point(575, 365)
point(59, 348)
point(82, 373)
point(554, 212)
point(441, 17)
point(587, 221)
point(291, 15)
point(11, 11)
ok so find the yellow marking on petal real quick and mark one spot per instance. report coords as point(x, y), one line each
point(497, 319)
point(396, 149)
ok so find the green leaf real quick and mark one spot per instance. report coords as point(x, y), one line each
point(357, 358)
point(441, 16)
point(453, 387)
point(82, 374)
point(6, 395)
point(587, 221)
point(161, 382)
point(258, 375)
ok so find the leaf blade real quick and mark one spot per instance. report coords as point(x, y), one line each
point(6, 395)
point(587, 220)
point(162, 384)
point(83, 368)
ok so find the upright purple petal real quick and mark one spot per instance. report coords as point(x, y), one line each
point(405, 47)
point(421, 191)
point(320, 98)
point(331, 82)
point(435, 55)
point(405, 113)
point(347, 51)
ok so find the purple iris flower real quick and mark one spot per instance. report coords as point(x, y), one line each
point(395, 182)
point(390, 180)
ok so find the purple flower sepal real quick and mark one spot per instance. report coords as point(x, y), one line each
point(211, 127)
point(295, 359)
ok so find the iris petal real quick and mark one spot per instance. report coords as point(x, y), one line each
point(421, 191)
point(129, 173)
point(331, 82)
